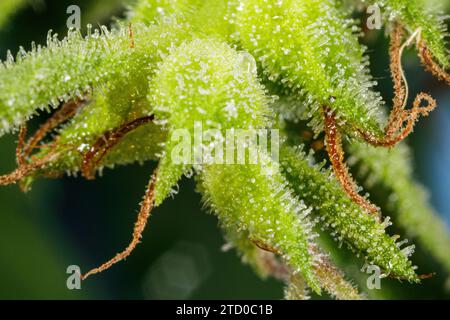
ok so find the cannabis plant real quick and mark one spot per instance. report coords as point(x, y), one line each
point(297, 67)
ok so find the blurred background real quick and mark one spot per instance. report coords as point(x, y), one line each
point(76, 222)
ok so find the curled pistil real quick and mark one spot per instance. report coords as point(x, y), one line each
point(106, 142)
point(401, 120)
point(336, 155)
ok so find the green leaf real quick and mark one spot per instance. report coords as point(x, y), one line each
point(204, 84)
point(391, 170)
point(346, 220)
point(311, 49)
point(77, 65)
point(416, 14)
point(256, 199)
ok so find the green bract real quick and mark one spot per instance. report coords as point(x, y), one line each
point(415, 14)
point(347, 221)
point(204, 83)
point(392, 170)
point(310, 47)
point(257, 201)
point(71, 68)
